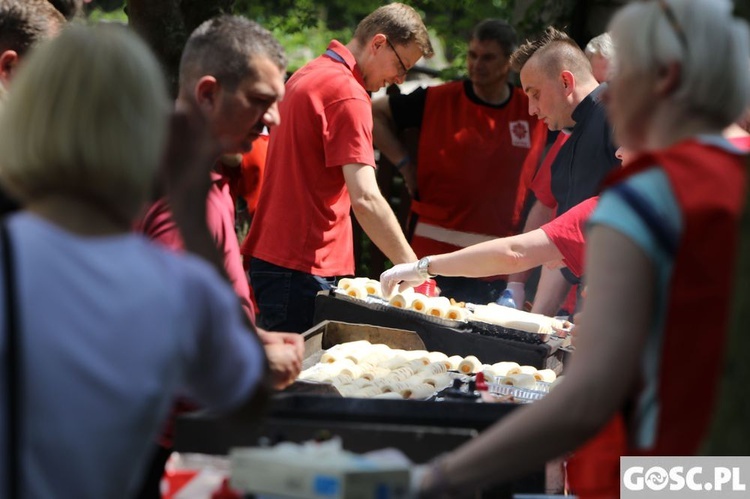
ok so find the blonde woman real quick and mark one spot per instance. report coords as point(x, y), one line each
point(110, 327)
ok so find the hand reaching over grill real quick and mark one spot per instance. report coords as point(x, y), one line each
point(403, 275)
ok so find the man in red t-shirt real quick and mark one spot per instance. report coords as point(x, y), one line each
point(320, 165)
point(236, 105)
point(470, 178)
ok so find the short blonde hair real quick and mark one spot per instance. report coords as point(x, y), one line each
point(400, 23)
point(87, 118)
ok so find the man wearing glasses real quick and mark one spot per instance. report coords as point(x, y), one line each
point(320, 165)
point(467, 180)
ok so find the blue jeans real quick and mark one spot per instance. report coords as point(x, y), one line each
point(285, 297)
point(470, 290)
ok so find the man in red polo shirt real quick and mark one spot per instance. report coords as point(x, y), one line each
point(320, 165)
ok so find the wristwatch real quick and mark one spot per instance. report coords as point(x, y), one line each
point(423, 267)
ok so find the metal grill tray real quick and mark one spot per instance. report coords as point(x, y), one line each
point(497, 331)
point(520, 394)
point(463, 414)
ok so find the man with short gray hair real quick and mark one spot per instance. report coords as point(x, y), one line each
point(600, 52)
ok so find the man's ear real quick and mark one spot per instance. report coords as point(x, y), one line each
point(568, 81)
point(206, 92)
point(378, 41)
point(8, 66)
point(668, 78)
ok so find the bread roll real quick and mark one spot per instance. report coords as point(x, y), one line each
point(456, 313)
point(401, 300)
point(422, 355)
point(546, 375)
point(333, 356)
point(469, 365)
point(433, 368)
point(361, 382)
point(397, 386)
point(371, 372)
point(455, 360)
point(439, 381)
point(347, 282)
point(528, 370)
point(419, 303)
point(502, 368)
point(342, 379)
point(353, 372)
point(394, 362)
point(438, 306)
point(421, 391)
point(372, 287)
point(400, 374)
point(357, 291)
point(526, 381)
point(436, 356)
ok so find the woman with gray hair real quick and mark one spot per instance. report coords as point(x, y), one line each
point(101, 328)
point(660, 257)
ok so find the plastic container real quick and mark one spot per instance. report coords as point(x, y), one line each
point(427, 288)
point(506, 299)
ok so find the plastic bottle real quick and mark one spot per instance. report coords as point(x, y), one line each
point(506, 299)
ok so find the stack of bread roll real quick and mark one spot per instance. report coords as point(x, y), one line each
point(359, 287)
point(362, 287)
point(362, 369)
point(510, 373)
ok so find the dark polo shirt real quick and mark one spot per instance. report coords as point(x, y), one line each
point(586, 157)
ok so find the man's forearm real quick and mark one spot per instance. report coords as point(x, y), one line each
point(551, 292)
point(381, 226)
point(538, 216)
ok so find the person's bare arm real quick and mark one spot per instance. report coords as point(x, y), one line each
point(375, 215)
point(385, 137)
point(551, 292)
point(500, 256)
point(538, 216)
point(613, 331)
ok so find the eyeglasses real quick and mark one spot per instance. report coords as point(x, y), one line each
point(673, 22)
point(403, 66)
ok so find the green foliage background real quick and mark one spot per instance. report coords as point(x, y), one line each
point(305, 27)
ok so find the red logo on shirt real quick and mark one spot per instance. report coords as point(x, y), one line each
point(520, 134)
point(519, 130)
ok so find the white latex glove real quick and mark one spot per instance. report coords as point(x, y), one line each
point(405, 275)
point(519, 293)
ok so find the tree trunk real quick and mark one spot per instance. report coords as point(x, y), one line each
point(166, 25)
